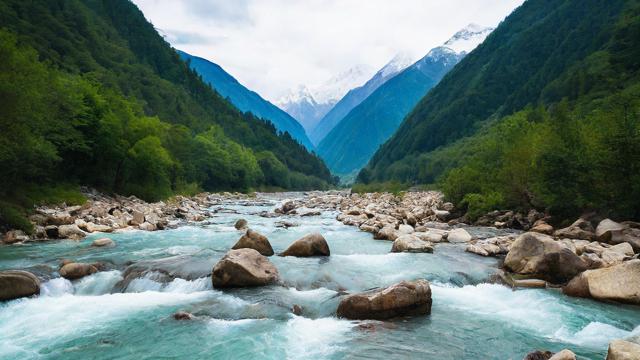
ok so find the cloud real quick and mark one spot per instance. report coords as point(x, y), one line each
point(274, 45)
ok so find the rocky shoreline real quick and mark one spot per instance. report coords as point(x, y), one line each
point(595, 259)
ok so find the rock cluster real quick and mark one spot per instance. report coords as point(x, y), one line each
point(103, 213)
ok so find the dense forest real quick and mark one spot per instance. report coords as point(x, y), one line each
point(90, 94)
point(544, 114)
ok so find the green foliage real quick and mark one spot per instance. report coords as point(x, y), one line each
point(14, 217)
point(90, 94)
point(536, 117)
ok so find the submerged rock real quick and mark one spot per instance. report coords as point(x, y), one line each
point(183, 315)
point(15, 284)
point(616, 283)
point(539, 355)
point(243, 267)
point(72, 271)
point(404, 298)
point(623, 350)
point(241, 224)
point(565, 354)
point(309, 245)
point(254, 240)
point(411, 243)
point(103, 242)
point(541, 256)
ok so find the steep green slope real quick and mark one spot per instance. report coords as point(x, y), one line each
point(514, 67)
point(244, 99)
point(566, 74)
point(350, 144)
point(91, 94)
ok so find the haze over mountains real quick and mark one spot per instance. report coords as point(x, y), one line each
point(351, 143)
point(309, 104)
point(245, 99)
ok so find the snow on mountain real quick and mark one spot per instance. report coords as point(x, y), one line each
point(309, 104)
point(465, 40)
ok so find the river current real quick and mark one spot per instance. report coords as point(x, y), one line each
point(99, 317)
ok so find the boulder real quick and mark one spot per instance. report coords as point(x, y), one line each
point(243, 267)
point(137, 218)
point(256, 241)
point(434, 236)
point(309, 245)
point(404, 298)
point(241, 224)
point(442, 215)
point(617, 254)
point(541, 256)
point(411, 243)
point(623, 350)
point(565, 354)
point(484, 249)
point(542, 227)
point(15, 284)
point(60, 218)
point(607, 229)
point(14, 236)
point(629, 235)
point(147, 226)
point(405, 229)
point(72, 271)
point(72, 232)
point(616, 283)
point(102, 242)
point(580, 229)
point(388, 232)
point(91, 227)
point(459, 236)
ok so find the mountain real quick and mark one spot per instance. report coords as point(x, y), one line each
point(309, 105)
point(245, 99)
point(351, 143)
point(93, 95)
point(355, 96)
point(543, 114)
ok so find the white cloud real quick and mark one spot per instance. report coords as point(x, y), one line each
point(274, 45)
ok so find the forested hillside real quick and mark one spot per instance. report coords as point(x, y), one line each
point(543, 114)
point(91, 94)
point(244, 99)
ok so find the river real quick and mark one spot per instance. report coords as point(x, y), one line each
point(98, 317)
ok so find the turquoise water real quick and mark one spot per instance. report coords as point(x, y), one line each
point(100, 318)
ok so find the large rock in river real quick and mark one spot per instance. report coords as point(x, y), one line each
point(243, 267)
point(254, 240)
point(405, 298)
point(617, 283)
point(411, 243)
point(541, 256)
point(74, 271)
point(459, 236)
point(623, 350)
point(15, 284)
point(309, 245)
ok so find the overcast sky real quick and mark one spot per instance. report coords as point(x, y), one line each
point(271, 46)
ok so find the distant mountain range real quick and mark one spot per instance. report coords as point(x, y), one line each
point(245, 99)
point(355, 138)
point(355, 96)
point(310, 104)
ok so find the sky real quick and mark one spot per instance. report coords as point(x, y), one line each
point(273, 46)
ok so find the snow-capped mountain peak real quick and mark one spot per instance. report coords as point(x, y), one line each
point(399, 62)
point(300, 94)
point(465, 40)
point(335, 88)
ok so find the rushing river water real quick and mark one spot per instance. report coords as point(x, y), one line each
point(97, 317)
